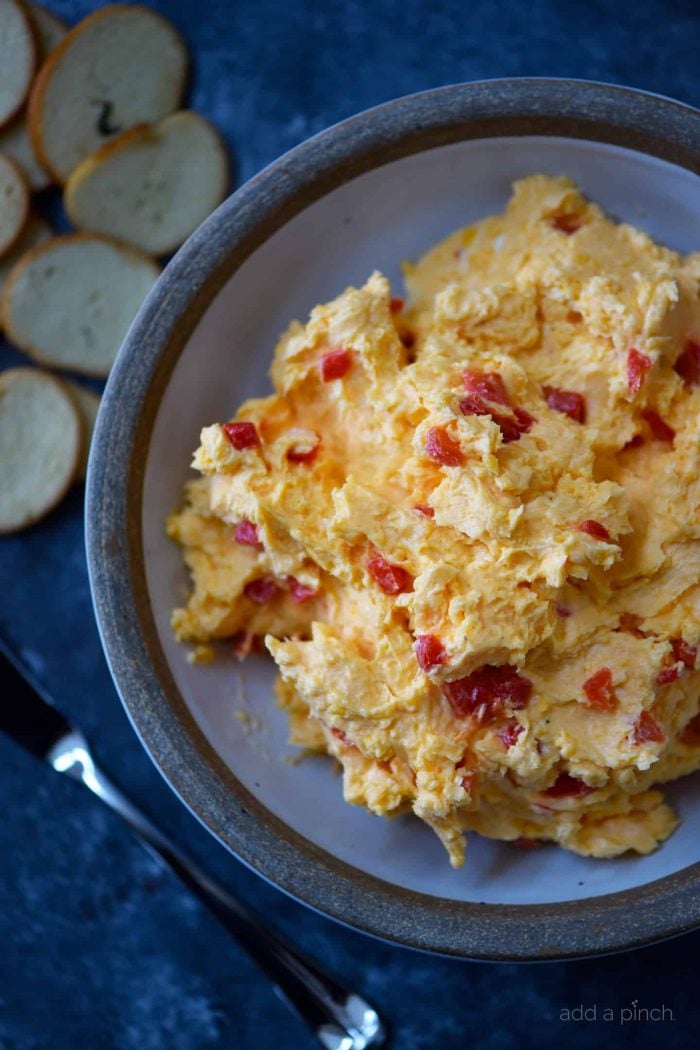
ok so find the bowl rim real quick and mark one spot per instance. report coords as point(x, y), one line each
point(167, 729)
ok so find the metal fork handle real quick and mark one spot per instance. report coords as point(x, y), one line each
point(340, 1019)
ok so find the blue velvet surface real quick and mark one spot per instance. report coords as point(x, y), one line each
point(102, 949)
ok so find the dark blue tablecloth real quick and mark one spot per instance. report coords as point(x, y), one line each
point(99, 948)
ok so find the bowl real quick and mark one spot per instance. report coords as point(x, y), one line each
point(365, 194)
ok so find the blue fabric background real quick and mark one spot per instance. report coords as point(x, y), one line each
point(102, 949)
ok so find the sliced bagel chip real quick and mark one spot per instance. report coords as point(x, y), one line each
point(14, 203)
point(49, 29)
point(40, 443)
point(15, 141)
point(153, 185)
point(69, 302)
point(16, 144)
point(88, 404)
point(35, 232)
point(122, 65)
point(18, 58)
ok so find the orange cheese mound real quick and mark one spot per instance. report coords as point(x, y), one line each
point(467, 525)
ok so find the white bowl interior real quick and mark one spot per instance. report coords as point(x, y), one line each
point(373, 222)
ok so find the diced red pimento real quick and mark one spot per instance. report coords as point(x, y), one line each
point(300, 592)
point(568, 402)
point(336, 364)
point(487, 396)
point(392, 579)
point(262, 591)
point(562, 610)
point(681, 654)
point(595, 529)
point(658, 426)
point(246, 534)
point(600, 691)
point(429, 651)
point(634, 442)
point(688, 362)
point(489, 691)
point(647, 729)
point(396, 304)
point(567, 223)
point(425, 510)
point(511, 427)
point(344, 739)
point(668, 674)
point(510, 733)
point(691, 734)
point(684, 653)
point(442, 448)
point(305, 456)
point(487, 386)
point(301, 454)
point(242, 435)
point(638, 364)
point(566, 786)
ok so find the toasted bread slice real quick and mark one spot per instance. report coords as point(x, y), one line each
point(14, 137)
point(14, 203)
point(40, 442)
point(122, 65)
point(69, 302)
point(49, 30)
point(16, 144)
point(153, 185)
point(36, 231)
point(18, 58)
point(87, 403)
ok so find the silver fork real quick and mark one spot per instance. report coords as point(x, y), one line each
point(339, 1018)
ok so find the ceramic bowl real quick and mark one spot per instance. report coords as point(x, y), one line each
point(364, 195)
